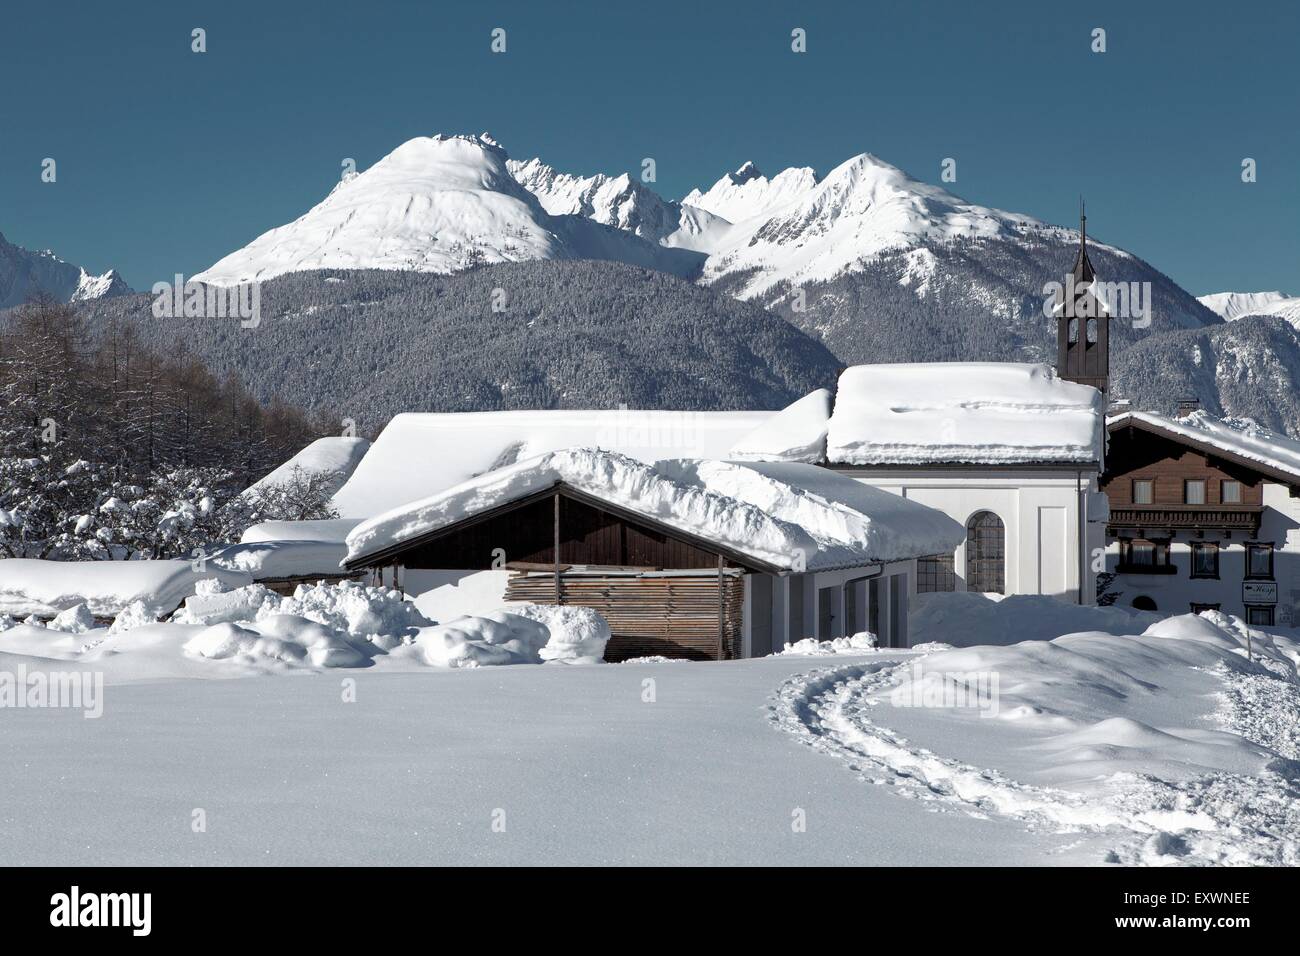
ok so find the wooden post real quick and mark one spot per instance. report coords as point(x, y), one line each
point(722, 615)
point(555, 550)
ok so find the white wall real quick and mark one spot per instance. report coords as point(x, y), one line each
point(811, 584)
point(1039, 509)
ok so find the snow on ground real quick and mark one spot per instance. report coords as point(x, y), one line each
point(1165, 745)
point(1157, 743)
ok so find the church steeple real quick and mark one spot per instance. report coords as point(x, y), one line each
point(1083, 321)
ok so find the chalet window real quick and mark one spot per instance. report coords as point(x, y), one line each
point(1259, 561)
point(1259, 616)
point(1230, 492)
point(1205, 559)
point(1139, 556)
point(1194, 491)
point(936, 573)
point(1142, 491)
point(986, 554)
point(1201, 608)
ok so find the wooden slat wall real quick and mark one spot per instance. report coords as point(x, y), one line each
point(670, 616)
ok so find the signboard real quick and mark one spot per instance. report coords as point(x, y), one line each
point(1259, 592)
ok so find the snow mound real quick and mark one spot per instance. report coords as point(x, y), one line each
point(282, 638)
point(376, 615)
point(525, 634)
point(859, 643)
point(964, 619)
point(1151, 744)
point(578, 635)
point(498, 638)
point(75, 620)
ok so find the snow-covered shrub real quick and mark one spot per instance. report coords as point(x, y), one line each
point(578, 635)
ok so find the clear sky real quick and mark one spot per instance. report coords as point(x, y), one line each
point(168, 159)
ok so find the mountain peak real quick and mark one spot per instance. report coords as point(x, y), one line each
point(745, 173)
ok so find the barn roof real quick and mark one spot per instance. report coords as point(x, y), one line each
point(778, 528)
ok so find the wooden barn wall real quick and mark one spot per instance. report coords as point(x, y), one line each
point(668, 616)
point(587, 536)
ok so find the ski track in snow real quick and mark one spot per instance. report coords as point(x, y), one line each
point(1222, 819)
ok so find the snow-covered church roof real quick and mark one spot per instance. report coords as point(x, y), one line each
point(1243, 439)
point(747, 510)
point(979, 413)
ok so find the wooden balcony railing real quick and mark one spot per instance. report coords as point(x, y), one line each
point(1155, 518)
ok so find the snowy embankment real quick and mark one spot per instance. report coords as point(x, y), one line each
point(221, 632)
point(1171, 745)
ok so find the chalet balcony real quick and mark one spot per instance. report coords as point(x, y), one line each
point(1146, 520)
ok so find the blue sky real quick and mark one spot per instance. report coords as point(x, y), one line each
point(168, 160)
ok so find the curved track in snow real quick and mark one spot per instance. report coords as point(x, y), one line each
point(1217, 819)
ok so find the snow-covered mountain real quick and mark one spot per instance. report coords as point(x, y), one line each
point(1237, 305)
point(438, 204)
point(874, 263)
point(23, 273)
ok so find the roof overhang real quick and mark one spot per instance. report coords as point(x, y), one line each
point(390, 554)
point(1209, 449)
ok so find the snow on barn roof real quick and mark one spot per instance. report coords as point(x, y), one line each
point(337, 454)
point(983, 413)
point(807, 534)
point(1241, 438)
point(418, 454)
point(838, 511)
point(796, 433)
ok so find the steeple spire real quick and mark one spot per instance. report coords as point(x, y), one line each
point(1083, 271)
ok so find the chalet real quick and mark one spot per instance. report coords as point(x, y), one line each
point(689, 558)
point(1203, 515)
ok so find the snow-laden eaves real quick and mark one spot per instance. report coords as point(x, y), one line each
point(846, 517)
point(796, 539)
point(977, 413)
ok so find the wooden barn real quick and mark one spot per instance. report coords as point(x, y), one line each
point(677, 568)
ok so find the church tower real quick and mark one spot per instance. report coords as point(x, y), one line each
point(1083, 323)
